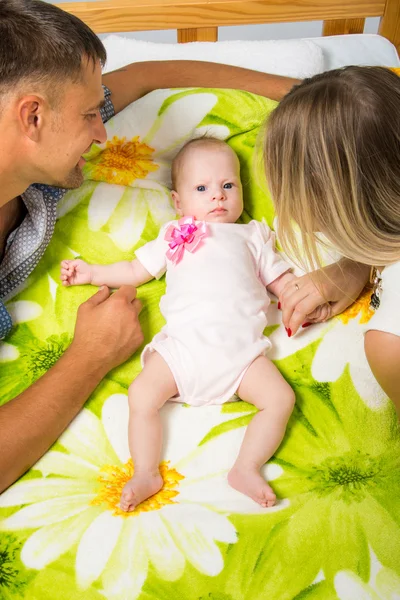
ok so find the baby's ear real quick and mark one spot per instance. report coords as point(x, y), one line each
point(177, 203)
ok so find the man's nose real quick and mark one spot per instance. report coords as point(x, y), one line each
point(99, 131)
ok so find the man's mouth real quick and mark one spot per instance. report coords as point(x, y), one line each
point(82, 160)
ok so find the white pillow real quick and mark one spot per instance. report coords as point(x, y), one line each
point(357, 49)
point(293, 58)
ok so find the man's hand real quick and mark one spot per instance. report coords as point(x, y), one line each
point(107, 332)
point(340, 284)
point(76, 272)
point(108, 328)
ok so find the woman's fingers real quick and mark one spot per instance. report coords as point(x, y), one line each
point(298, 301)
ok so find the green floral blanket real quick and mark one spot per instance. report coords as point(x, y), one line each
point(334, 534)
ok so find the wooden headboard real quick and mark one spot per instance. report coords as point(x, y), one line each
point(198, 20)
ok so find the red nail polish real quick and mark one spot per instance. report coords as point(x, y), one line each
point(306, 324)
point(279, 306)
point(288, 331)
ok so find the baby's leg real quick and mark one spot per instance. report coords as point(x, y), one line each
point(264, 387)
point(147, 394)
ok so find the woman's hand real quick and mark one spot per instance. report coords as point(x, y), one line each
point(304, 301)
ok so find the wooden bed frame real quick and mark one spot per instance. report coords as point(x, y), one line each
point(198, 20)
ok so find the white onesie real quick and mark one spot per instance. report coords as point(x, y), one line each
point(215, 307)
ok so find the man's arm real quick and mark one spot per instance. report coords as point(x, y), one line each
point(107, 332)
point(137, 79)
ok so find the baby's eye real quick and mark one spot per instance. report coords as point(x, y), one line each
point(201, 188)
point(228, 186)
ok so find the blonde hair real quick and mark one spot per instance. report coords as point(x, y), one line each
point(202, 142)
point(332, 161)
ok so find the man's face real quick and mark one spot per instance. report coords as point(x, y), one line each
point(74, 124)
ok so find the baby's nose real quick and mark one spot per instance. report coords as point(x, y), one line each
point(219, 195)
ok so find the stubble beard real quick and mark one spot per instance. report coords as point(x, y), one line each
point(73, 180)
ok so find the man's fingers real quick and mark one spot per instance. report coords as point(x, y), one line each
point(99, 296)
point(126, 291)
point(137, 305)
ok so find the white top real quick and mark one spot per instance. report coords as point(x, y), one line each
point(387, 317)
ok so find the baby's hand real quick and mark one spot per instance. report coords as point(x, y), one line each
point(75, 272)
point(320, 314)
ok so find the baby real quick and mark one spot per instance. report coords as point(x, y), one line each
point(215, 307)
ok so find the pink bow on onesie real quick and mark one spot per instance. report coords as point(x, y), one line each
point(187, 236)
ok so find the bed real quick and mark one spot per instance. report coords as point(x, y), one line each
point(335, 531)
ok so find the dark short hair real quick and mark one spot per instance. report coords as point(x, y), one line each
point(39, 41)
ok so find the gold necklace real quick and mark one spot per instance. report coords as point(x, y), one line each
point(375, 278)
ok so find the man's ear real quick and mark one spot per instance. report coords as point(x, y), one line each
point(177, 203)
point(31, 116)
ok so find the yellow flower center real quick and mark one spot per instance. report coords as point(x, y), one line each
point(122, 162)
point(361, 305)
point(113, 478)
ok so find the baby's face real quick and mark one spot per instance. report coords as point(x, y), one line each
point(209, 186)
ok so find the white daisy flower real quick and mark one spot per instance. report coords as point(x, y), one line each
point(385, 585)
point(78, 505)
point(136, 163)
point(346, 333)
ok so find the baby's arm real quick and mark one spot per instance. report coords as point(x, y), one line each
point(79, 272)
point(287, 283)
point(278, 285)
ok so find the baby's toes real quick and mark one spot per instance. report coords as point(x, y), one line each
point(127, 495)
point(269, 498)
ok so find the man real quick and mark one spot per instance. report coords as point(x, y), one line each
point(52, 107)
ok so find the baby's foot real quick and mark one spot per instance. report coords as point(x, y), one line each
point(139, 488)
point(251, 483)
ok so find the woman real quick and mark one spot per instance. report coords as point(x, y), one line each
point(332, 163)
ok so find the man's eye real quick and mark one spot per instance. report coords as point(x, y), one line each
point(228, 186)
point(201, 188)
point(90, 116)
